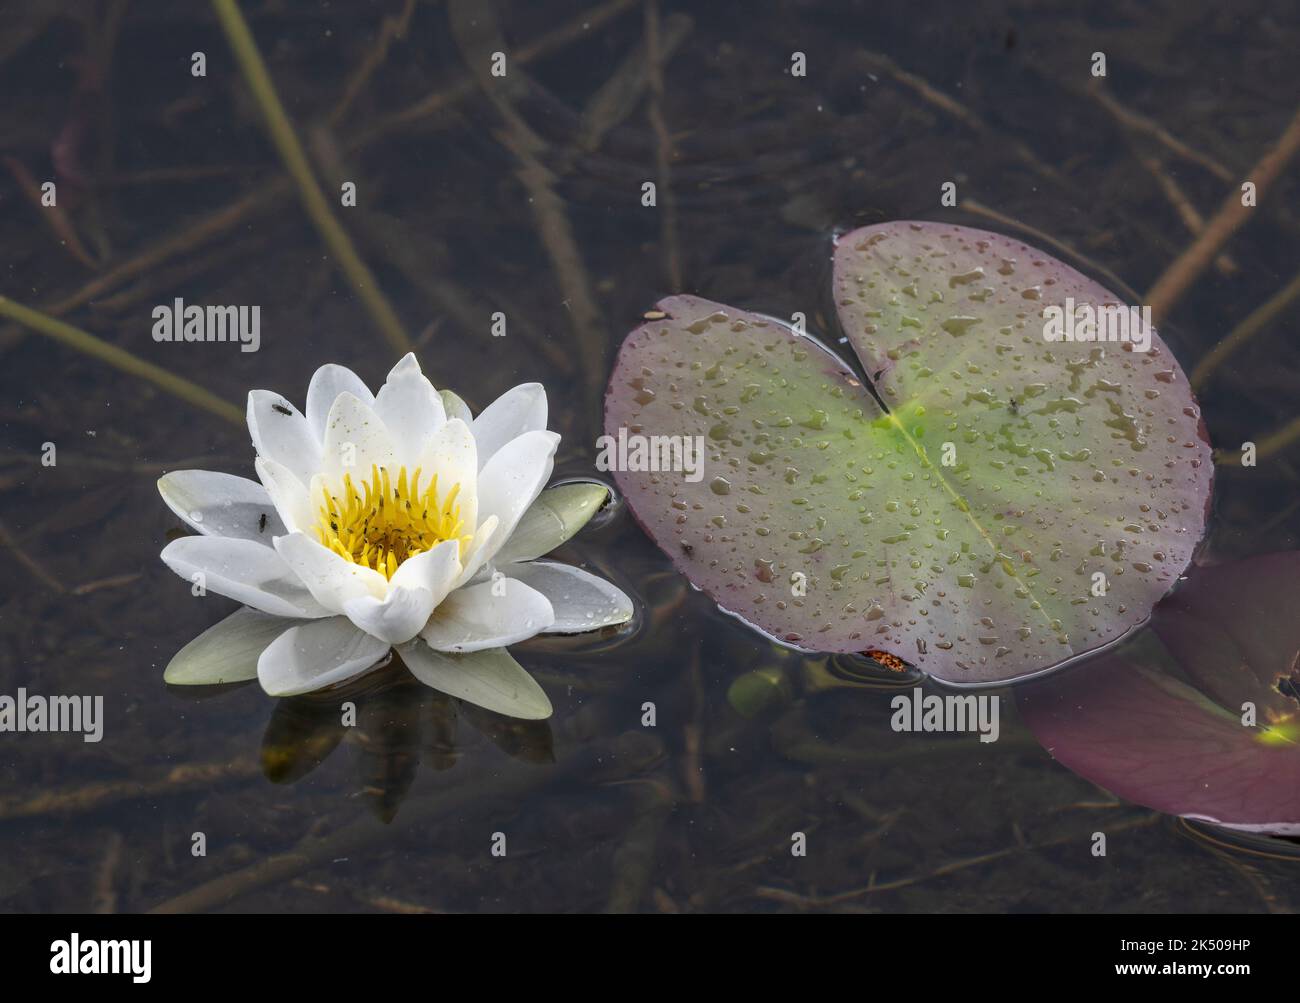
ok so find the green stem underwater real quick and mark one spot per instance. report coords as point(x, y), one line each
point(121, 359)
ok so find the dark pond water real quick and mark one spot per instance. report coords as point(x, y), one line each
point(524, 197)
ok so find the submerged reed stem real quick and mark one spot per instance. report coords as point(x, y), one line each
point(309, 190)
point(121, 359)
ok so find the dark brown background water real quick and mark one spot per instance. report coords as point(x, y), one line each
point(470, 204)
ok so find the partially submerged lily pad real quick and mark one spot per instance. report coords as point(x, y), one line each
point(1223, 745)
point(834, 524)
point(1150, 738)
point(1235, 630)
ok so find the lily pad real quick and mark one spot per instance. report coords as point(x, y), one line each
point(1150, 738)
point(834, 522)
point(1187, 747)
point(1235, 630)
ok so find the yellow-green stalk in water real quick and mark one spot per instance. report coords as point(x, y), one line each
point(121, 359)
point(295, 160)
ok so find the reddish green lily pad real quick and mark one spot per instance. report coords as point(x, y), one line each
point(1235, 630)
point(1224, 745)
point(1068, 459)
point(1154, 740)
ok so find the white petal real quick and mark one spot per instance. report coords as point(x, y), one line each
point(421, 582)
point(332, 579)
point(455, 407)
point(435, 570)
point(326, 384)
point(490, 679)
point(476, 557)
point(411, 409)
point(288, 494)
point(394, 619)
point(451, 454)
point(244, 570)
point(316, 655)
point(492, 614)
point(355, 441)
point(280, 436)
point(581, 600)
point(511, 481)
point(227, 652)
point(519, 410)
point(556, 515)
point(221, 504)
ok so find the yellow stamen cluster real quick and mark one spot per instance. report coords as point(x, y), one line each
point(383, 521)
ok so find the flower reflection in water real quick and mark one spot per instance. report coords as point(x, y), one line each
point(392, 724)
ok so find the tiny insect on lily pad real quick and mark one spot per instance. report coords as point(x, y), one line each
point(995, 504)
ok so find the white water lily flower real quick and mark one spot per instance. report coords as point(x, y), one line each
point(389, 520)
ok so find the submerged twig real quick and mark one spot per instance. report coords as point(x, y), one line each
point(112, 582)
point(979, 209)
point(1232, 215)
point(295, 161)
point(194, 234)
point(1256, 321)
point(635, 857)
point(1140, 123)
point(8, 541)
point(478, 37)
point(392, 29)
point(178, 780)
point(1188, 213)
point(442, 100)
point(663, 147)
point(1268, 446)
point(951, 106)
point(390, 904)
point(104, 895)
point(54, 216)
point(618, 97)
point(121, 359)
point(840, 898)
point(176, 276)
point(271, 190)
point(693, 734)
